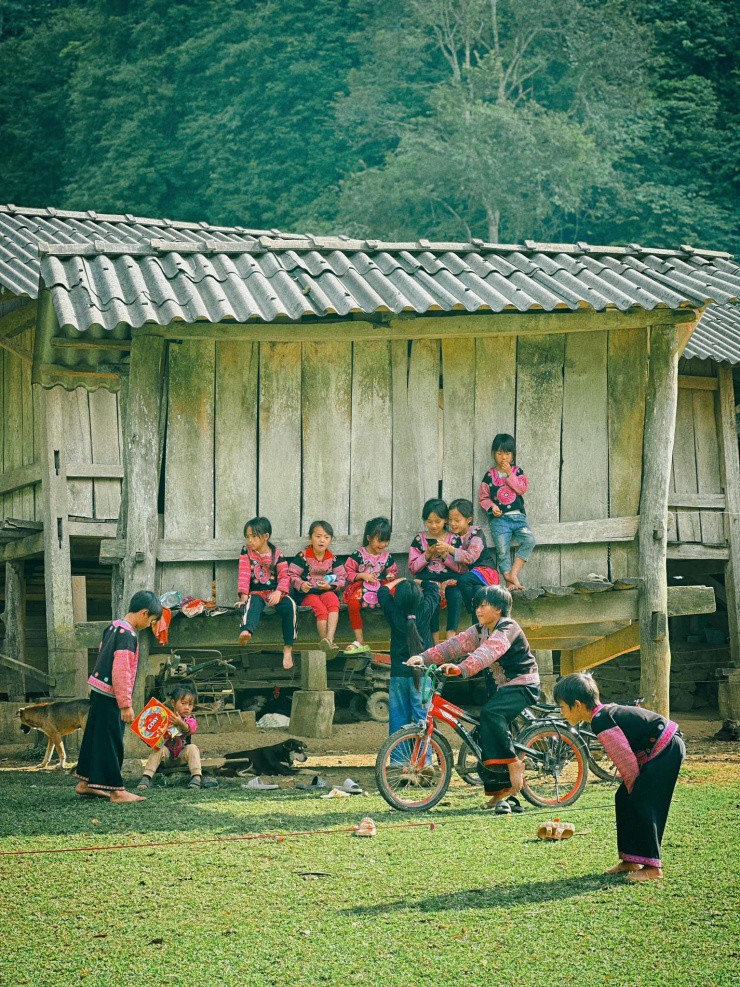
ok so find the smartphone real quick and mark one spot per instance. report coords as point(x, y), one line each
point(431, 541)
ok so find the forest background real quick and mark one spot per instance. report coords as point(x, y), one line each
point(608, 121)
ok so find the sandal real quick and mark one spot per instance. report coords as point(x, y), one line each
point(194, 782)
point(357, 649)
point(316, 782)
point(366, 827)
point(555, 830)
point(516, 805)
point(146, 782)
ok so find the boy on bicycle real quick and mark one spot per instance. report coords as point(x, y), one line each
point(496, 642)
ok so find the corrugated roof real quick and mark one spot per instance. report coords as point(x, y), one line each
point(109, 271)
point(717, 336)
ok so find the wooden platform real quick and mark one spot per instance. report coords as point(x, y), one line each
point(558, 618)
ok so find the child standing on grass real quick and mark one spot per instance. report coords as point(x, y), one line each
point(264, 580)
point(501, 495)
point(648, 752)
point(409, 611)
point(366, 570)
point(317, 576)
point(111, 690)
point(181, 702)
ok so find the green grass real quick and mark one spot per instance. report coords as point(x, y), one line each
point(476, 901)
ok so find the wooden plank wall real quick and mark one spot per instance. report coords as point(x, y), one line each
point(18, 443)
point(347, 431)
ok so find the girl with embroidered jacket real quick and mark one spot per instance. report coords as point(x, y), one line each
point(648, 751)
point(496, 642)
point(501, 495)
point(264, 580)
point(366, 570)
point(317, 576)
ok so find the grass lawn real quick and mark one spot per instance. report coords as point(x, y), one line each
point(475, 901)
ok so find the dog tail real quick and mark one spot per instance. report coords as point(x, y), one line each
point(239, 756)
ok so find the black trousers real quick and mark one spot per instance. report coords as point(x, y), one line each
point(101, 750)
point(497, 746)
point(642, 813)
point(469, 584)
point(452, 597)
point(286, 609)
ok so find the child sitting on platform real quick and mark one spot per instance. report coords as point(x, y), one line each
point(501, 496)
point(366, 571)
point(648, 751)
point(425, 560)
point(177, 746)
point(317, 576)
point(264, 580)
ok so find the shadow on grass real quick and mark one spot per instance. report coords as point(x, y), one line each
point(496, 896)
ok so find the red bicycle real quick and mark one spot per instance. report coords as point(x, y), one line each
point(413, 768)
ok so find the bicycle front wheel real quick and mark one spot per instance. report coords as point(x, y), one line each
point(412, 771)
point(555, 772)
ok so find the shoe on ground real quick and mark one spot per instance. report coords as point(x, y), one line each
point(366, 827)
point(195, 783)
point(516, 805)
point(350, 787)
point(209, 782)
point(555, 830)
point(146, 782)
point(503, 808)
point(336, 793)
point(357, 649)
point(316, 782)
point(257, 785)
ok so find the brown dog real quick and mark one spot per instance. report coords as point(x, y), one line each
point(56, 720)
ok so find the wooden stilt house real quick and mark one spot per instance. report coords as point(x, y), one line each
point(162, 382)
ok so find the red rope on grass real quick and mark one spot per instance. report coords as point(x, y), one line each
point(279, 837)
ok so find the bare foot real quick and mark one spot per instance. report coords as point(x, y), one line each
point(287, 660)
point(124, 796)
point(512, 582)
point(84, 789)
point(646, 874)
point(516, 774)
point(623, 867)
point(245, 637)
point(498, 797)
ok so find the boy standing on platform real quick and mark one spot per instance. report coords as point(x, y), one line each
point(111, 690)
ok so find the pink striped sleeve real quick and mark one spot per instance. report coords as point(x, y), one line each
point(484, 495)
point(296, 573)
point(485, 654)
point(123, 675)
point(457, 647)
point(470, 555)
point(283, 576)
point(617, 747)
point(245, 574)
point(351, 569)
point(417, 558)
point(517, 480)
point(192, 724)
point(340, 576)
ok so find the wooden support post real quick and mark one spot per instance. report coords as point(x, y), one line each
point(15, 624)
point(731, 478)
point(67, 664)
point(141, 463)
point(660, 426)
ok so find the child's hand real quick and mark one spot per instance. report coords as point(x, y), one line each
point(443, 548)
point(274, 598)
point(415, 661)
point(323, 585)
point(240, 604)
point(450, 669)
point(504, 469)
point(305, 587)
point(127, 714)
point(496, 511)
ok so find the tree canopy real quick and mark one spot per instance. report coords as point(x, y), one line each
point(598, 120)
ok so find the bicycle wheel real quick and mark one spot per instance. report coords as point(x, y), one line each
point(467, 765)
point(411, 773)
point(599, 761)
point(555, 772)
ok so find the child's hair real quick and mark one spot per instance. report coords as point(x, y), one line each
point(377, 527)
point(575, 688)
point(407, 598)
point(259, 526)
point(465, 507)
point(321, 524)
point(504, 442)
point(182, 692)
point(434, 506)
point(497, 596)
point(145, 599)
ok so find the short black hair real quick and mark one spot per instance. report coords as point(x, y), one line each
point(577, 688)
point(465, 507)
point(497, 596)
point(504, 442)
point(145, 599)
point(377, 527)
point(321, 524)
point(181, 691)
point(259, 526)
point(434, 506)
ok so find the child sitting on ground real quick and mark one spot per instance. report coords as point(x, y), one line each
point(469, 559)
point(501, 496)
point(178, 744)
point(648, 751)
point(425, 560)
point(366, 570)
point(264, 580)
point(317, 576)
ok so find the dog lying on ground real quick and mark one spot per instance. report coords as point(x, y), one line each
point(278, 759)
point(56, 720)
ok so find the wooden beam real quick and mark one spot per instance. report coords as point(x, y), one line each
point(23, 669)
point(730, 463)
point(591, 655)
point(18, 320)
point(60, 342)
point(694, 501)
point(15, 621)
point(698, 383)
point(92, 529)
point(19, 351)
point(419, 327)
point(691, 550)
point(660, 426)
point(95, 471)
point(22, 548)
point(23, 476)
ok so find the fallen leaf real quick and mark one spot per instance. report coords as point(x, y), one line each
point(101, 935)
point(155, 942)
